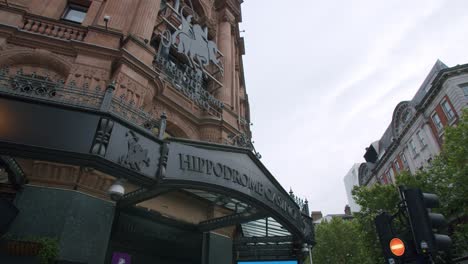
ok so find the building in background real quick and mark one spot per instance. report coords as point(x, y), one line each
point(318, 217)
point(350, 180)
point(416, 133)
point(124, 134)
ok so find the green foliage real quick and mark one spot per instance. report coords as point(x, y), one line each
point(340, 241)
point(374, 200)
point(447, 177)
point(49, 250)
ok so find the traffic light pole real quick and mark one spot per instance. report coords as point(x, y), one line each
point(310, 255)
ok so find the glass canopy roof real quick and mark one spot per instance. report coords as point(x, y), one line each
point(266, 227)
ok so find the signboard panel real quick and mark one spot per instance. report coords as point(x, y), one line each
point(133, 150)
point(46, 126)
point(230, 171)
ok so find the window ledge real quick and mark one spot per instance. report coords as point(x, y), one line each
point(452, 121)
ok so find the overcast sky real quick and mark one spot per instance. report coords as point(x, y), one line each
point(323, 79)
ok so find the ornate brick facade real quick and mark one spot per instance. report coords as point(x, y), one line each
point(37, 38)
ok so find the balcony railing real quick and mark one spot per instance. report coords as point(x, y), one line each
point(53, 28)
point(41, 88)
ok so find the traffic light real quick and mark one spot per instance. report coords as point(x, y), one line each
point(423, 222)
point(383, 225)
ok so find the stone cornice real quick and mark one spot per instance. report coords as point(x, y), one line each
point(232, 5)
point(226, 15)
point(102, 29)
point(139, 42)
point(437, 84)
point(13, 7)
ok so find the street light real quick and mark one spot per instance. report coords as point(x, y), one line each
point(307, 248)
point(116, 190)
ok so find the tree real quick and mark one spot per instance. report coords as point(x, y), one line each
point(447, 177)
point(339, 242)
point(374, 200)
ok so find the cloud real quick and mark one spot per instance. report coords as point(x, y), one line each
point(323, 79)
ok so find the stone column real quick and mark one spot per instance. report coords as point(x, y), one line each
point(145, 18)
point(226, 45)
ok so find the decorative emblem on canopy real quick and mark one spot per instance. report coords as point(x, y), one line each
point(136, 155)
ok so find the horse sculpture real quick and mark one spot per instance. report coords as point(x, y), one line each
point(192, 41)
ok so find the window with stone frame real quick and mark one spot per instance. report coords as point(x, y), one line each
point(437, 122)
point(421, 138)
point(397, 166)
point(464, 87)
point(412, 146)
point(384, 179)
point(76, 11)
point(404, 160)
point(387, 176)
point(448, 110)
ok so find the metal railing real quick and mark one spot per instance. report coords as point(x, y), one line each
point(42, 88)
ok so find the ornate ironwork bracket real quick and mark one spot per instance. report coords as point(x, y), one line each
point(243, 141)
point(13, 170)
point(102, 137)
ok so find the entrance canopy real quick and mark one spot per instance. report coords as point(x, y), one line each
point(97, 130)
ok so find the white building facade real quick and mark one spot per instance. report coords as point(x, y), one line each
point(416, 133)
point(350, 180)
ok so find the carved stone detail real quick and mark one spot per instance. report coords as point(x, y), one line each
point(136, 156)
point(163, 161)
point(54, 174)
point(211, 134)
point(226, 16)
point(102, 137)
point(129, 89)
point(87, 76)
point(37, 59)
point(95, 182)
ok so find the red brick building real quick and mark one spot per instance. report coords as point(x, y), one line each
point(149, 78)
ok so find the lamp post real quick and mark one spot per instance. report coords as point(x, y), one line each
point(307, 248)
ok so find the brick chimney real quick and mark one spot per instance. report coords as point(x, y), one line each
point(316, 215)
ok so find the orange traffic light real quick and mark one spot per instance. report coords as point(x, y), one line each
point(397, 247)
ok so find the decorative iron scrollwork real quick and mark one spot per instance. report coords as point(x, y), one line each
point(243, 141)
point(302, 203)
point(35, 85)
point(136, 156)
